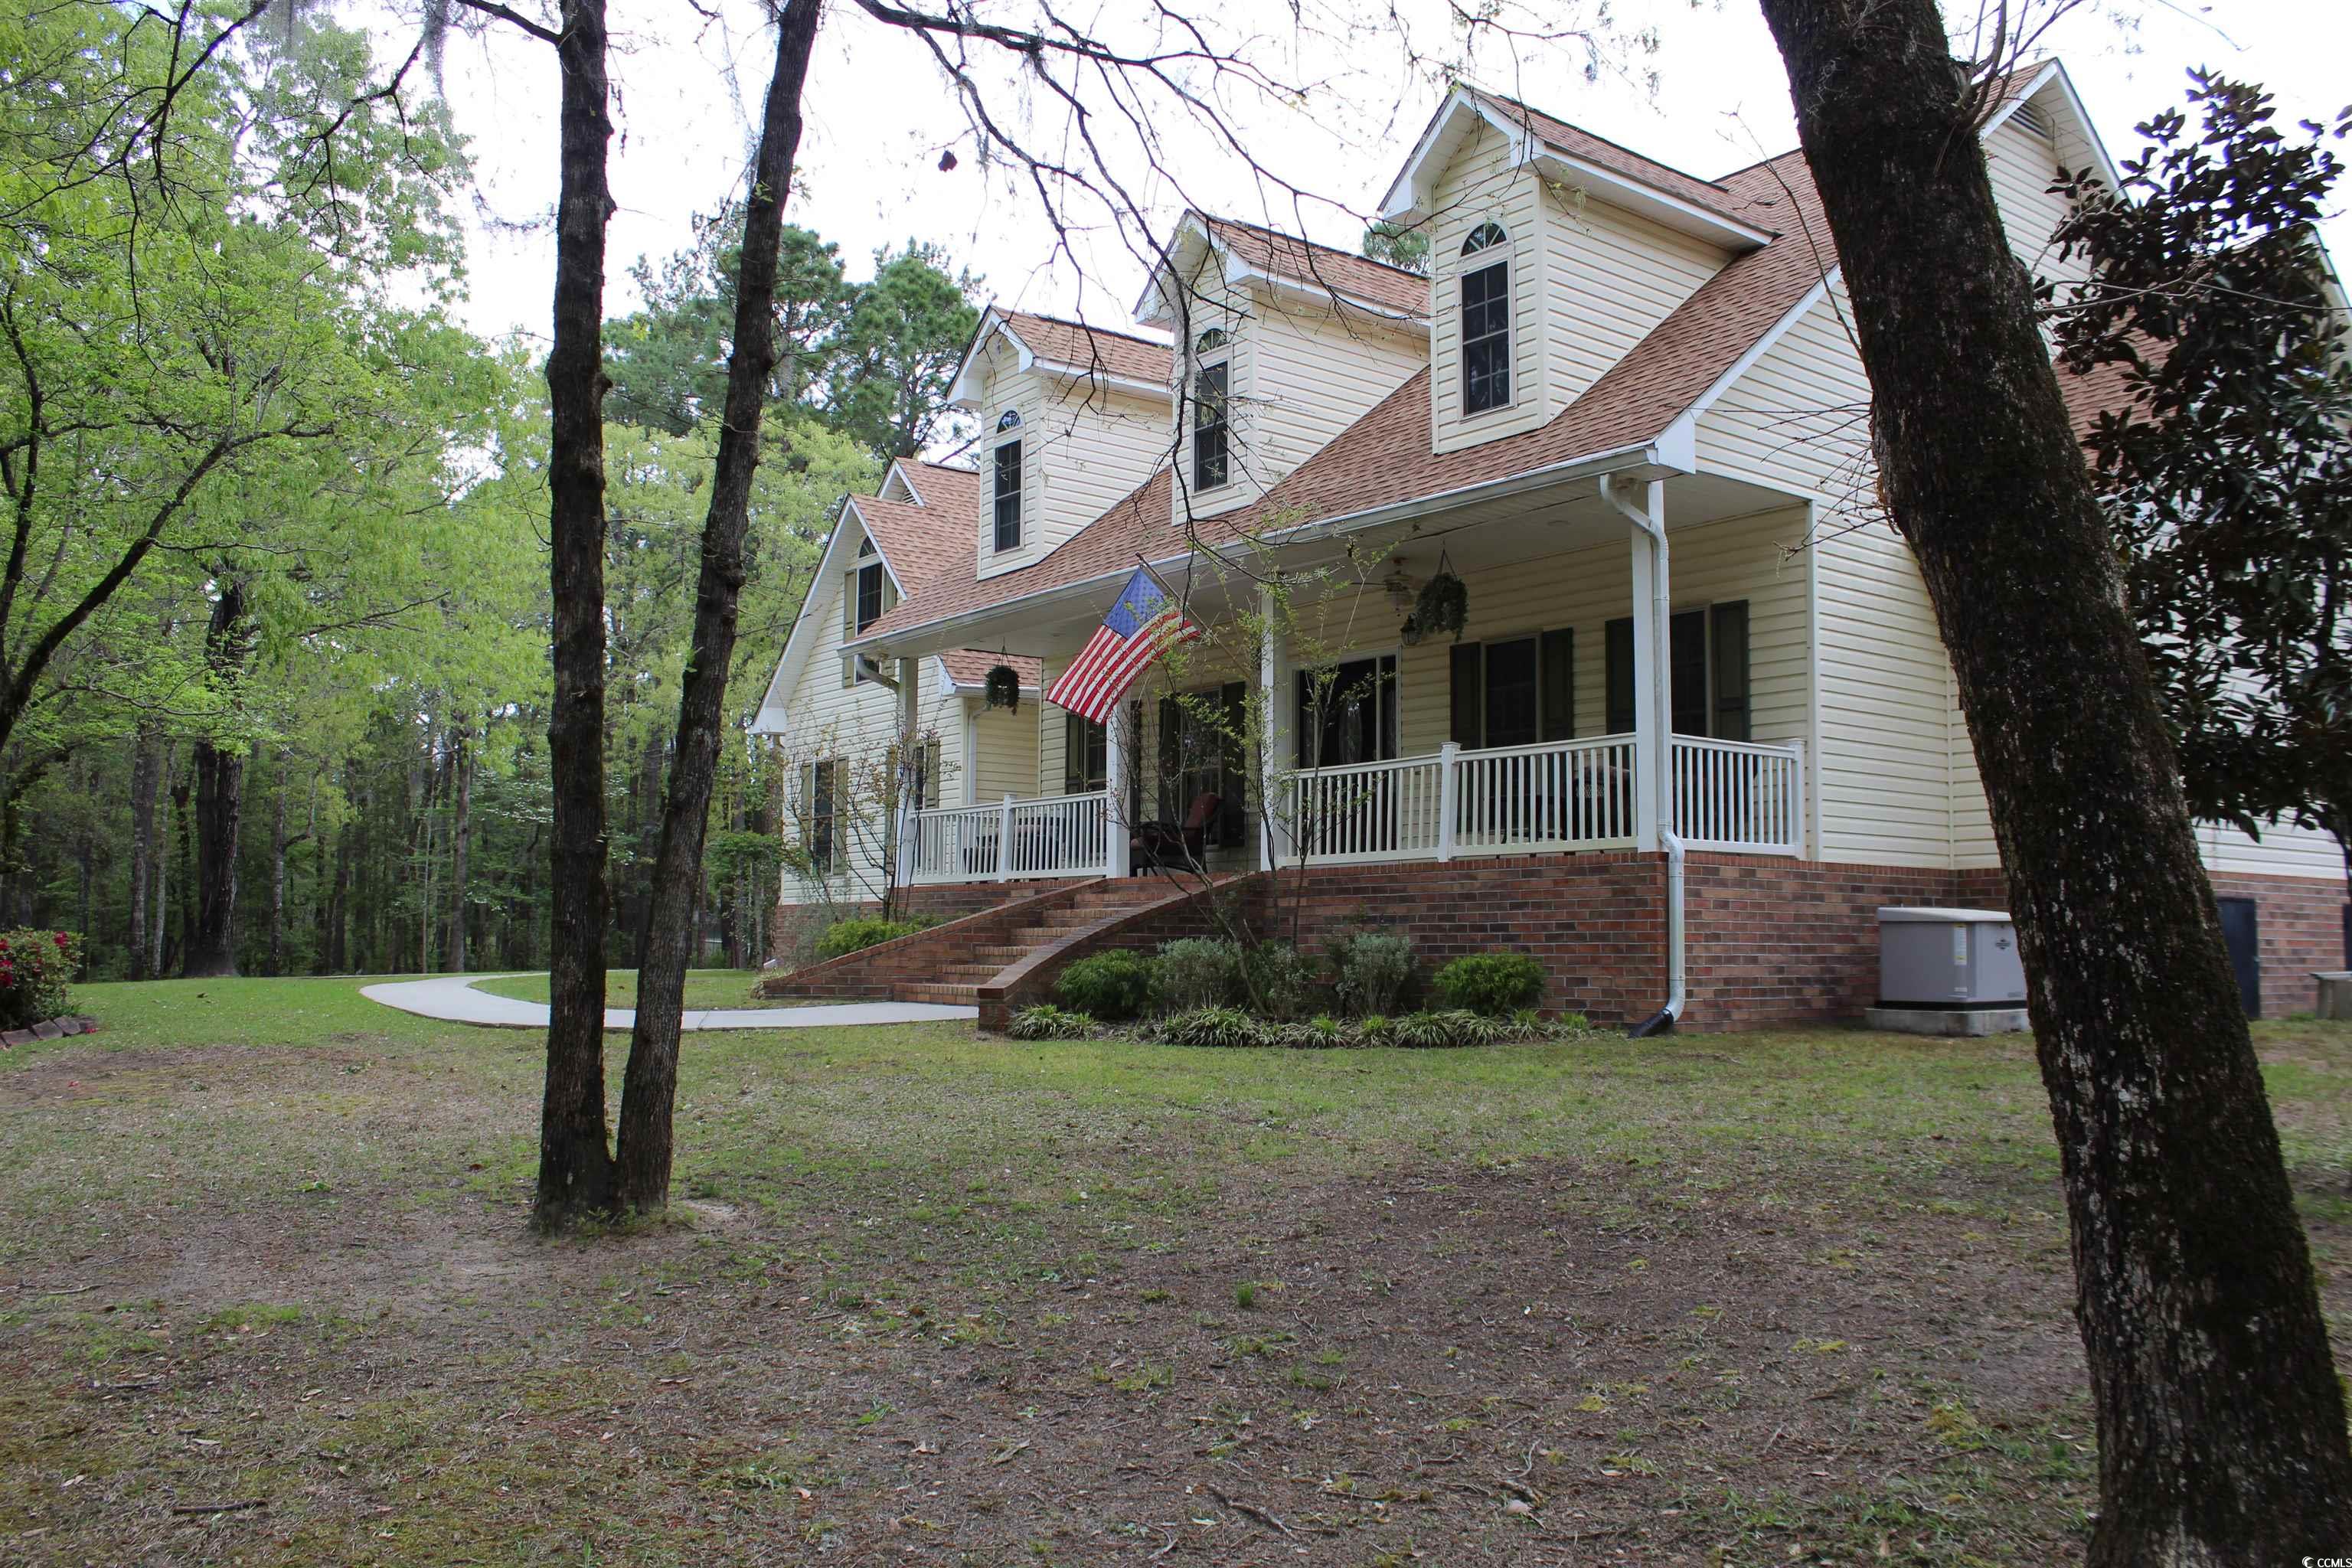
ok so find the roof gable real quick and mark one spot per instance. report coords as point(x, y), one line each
point(1070, 351)
point(1251, 253)
point(1572, 155)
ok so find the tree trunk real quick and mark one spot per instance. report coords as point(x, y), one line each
point(575, 1165)
point(220, 798)
point(182, 790)
point(2222, 1436)
point(336, 949)
point(461, 768)
point(650, 1089)
point(146, 772)
point(276, 960)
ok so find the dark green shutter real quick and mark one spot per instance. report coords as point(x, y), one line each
point(1686, 689)
point(1469, 695)
point(1729, 636)
point(1617, 656)
point(1074, 755)
point(1558, 685)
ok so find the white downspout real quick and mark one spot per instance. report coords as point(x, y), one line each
point(1649, 516)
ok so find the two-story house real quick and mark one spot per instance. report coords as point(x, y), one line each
point(1699, 725)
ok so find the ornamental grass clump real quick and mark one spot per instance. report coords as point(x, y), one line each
point(1219, 1028)
point(1047, 1022)
point(35, 969)
point(1452, 1030)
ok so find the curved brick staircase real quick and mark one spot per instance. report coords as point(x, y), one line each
point(1005, 955)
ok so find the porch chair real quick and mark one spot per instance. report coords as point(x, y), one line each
point(1155, 846)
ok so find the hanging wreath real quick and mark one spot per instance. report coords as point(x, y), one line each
point(1444, 606)
point(1003, 688)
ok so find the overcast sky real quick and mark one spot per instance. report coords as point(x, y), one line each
point(878, 118)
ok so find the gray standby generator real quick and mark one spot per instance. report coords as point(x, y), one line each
point(1949, 960)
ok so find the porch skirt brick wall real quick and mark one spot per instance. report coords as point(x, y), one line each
point(1596, 921)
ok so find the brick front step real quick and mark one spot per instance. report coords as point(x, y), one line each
point(956, 963)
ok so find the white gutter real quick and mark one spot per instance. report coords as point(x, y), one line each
point(1654, 529)
point(1652, 455)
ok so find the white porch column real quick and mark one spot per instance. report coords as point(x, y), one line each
point(1652, 659)
point(910, 762)
point(1117, 768)
point(1274, 729)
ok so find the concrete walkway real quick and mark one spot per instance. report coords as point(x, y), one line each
point(453, 999)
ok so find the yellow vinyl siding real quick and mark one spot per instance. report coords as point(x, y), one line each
point(1083, 447)
point(1297, 375)
point(2022, 164)
point(1003, 752)
point(1610, 277)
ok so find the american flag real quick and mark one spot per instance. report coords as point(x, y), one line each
point(1143, 625)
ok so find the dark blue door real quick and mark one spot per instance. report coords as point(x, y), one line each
point(2242, 933)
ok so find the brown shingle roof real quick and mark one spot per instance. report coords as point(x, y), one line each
point(1339, 271)
point(1093, 347)
point(930, 545)
point(1584, 146)
point(919, 542)
point(944, 488)
point(969, 665)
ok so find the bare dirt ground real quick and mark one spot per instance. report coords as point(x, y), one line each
point(928, 1300)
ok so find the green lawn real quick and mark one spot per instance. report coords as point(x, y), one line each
point(705, 988)
point(936, 1300)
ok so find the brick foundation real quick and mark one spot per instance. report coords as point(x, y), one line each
point(1772, 942)
point(1769, 942)
point(2300, 923)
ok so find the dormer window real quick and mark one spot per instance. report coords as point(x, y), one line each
point(1212, 432)
point(1007, 487)
point(1485, 322)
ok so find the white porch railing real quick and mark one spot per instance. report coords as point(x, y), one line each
point(1512, 800)
point(1552, 797)
point(1738, 796)
point(1068, 836)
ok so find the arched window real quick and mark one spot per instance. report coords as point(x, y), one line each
point(1484, 236)
point(1009, 420)
point(1486, 322)
point(1210, 341)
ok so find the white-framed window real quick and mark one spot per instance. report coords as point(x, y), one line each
point(1212, 406)
point(1005, 473)
point(867, 595)
point(1485, 320)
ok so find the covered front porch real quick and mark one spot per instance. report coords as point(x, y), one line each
point(1597, 699)
point(1559, 797)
